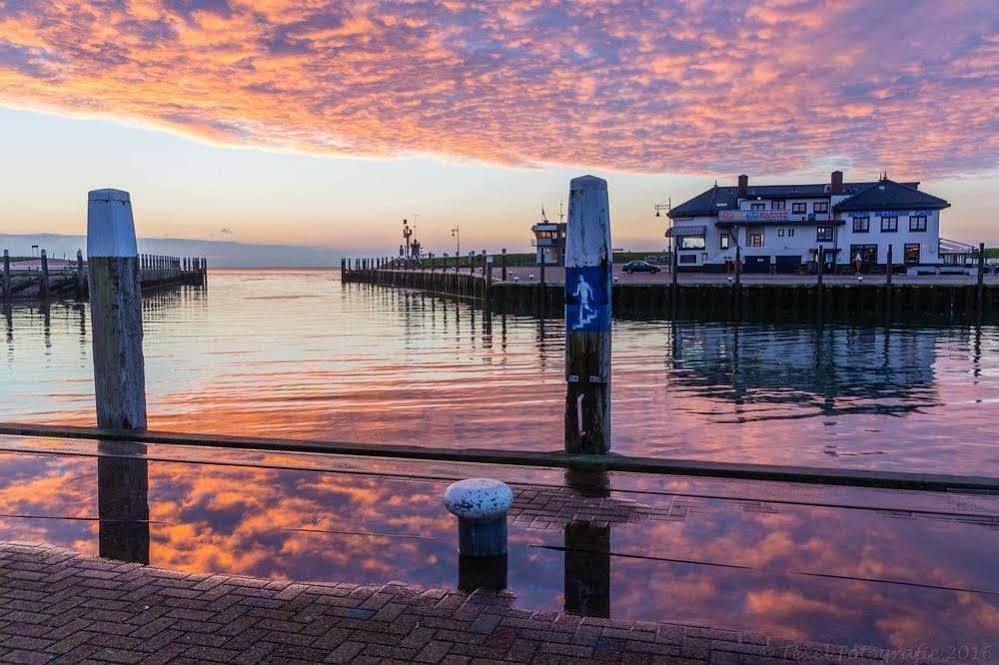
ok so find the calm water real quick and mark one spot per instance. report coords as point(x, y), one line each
point(297, 354)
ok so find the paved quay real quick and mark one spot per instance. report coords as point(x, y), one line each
point(57, 606)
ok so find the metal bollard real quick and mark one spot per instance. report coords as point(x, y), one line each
point(481, 505)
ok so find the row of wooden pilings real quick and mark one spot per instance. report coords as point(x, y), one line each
point(154, 270)
point(724, 300)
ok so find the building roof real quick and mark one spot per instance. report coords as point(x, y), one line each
point(708, 203)
point(891, 195)
point(686, 230)
point(727, 198)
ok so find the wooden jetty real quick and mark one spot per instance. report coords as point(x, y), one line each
point(44, 279)
point(925, 296)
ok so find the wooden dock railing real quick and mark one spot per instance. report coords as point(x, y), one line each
point(39, 280)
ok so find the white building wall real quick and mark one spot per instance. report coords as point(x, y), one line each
point(928, 240)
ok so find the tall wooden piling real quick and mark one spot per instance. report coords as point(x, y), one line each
point(43, 283)
point(891, 263)
point(981, 277)
point(588, 279)
point(119, 374)
point(115, 311)
point(503, 264)
point(79, 274)
point(6, 275)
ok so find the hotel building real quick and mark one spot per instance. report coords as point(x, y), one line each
point(786, 228)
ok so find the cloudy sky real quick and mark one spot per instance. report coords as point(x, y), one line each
point(316, 122)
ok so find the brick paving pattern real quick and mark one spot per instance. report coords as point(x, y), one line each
point(57, 606)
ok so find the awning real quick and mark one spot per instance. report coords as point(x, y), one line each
point(687, 231)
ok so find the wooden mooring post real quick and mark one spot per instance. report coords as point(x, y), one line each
point(115, 311)
point(6, 275)
point(588, 280)
point(43, 280)
point(119, 374)
point(503, 264)
point(80, 284)
point(980, 300)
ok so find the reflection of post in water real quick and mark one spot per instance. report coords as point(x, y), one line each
point(46, 311)
point(8, 316)
point(587, 569)
point(503, 332)
point(587, 551)
point(123, 502)
point(487, 573)
point(487, 326)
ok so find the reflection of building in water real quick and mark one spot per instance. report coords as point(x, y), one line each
point(892, 369)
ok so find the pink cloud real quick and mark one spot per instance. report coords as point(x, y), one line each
point(626, 84)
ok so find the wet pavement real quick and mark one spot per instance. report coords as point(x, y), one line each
point(59, 606)
point(900, 572)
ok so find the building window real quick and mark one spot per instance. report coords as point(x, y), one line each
point(757, 206)
point(692, 242)
point(777, 205)
point(824, 234)
point(889, 224)
point(917, 223)
point(821, 206)
point(790, 233)
point(799, 208)
point(755, 239)
point(912, 253)
point(861, 224)
point(866, 254)
point(724, 240)
point(780, 233)
point(688, 258)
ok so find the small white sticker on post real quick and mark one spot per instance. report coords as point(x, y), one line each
point(110, 227)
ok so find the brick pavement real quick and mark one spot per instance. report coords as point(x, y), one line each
point(61, 607)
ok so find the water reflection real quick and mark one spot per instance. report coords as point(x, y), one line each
point(123, 501)
point(282, 352)
point(914, 568)
point(841, 369)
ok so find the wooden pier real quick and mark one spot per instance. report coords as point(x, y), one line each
point(925, 297)
point(46, 279)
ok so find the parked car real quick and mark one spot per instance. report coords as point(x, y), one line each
point(640, 266)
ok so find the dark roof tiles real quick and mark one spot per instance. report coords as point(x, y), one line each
point(865, 196)
point(891, 195)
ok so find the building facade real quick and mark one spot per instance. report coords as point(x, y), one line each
point(789, 228)
point(549, 241)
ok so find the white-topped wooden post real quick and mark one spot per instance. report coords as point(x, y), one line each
point(6, 275)
point(588, 282)
point(43, 284)
point(115, 311)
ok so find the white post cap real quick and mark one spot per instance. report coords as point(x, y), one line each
point(478, 499)
point(110, 228)
point(588, 230)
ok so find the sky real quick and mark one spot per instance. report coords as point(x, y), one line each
point(325, 124)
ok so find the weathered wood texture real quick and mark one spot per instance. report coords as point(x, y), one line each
point(116, 319)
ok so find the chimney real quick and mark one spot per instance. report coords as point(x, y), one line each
point(743, 186)
point(836, 186)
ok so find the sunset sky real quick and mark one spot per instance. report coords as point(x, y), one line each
point(325, 123)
